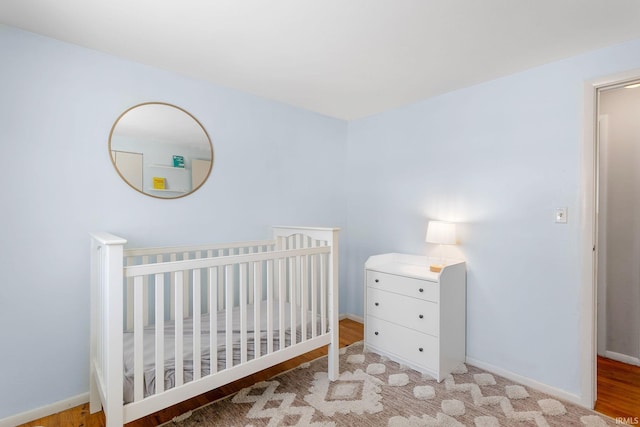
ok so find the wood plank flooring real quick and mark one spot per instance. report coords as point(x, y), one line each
point(618, 390)
point(79, 416)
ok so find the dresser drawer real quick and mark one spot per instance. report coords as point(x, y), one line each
point(416, 288)
point(406, 311)
point(412, 346)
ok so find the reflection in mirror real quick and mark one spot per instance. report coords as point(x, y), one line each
point(161, 150)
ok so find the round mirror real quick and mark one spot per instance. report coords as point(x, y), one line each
point(161, 150)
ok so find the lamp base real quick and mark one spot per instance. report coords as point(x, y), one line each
point(436, 268)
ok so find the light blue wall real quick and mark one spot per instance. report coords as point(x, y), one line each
point(57, 105)
point(497, 158)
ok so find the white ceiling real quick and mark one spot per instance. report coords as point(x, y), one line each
point(160, 122)
point(343, 58)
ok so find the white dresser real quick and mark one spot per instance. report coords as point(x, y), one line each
point(414, 316)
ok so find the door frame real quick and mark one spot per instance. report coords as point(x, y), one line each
point(589, 251)
point(602, 194)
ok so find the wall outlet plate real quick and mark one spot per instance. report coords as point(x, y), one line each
point(561, 215)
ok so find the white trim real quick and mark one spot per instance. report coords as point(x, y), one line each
point(630, 360)
point(602, 174)
point(353, 317)
point(544, 388)
point(588, 299)
point(588, 327)
point(44, 411)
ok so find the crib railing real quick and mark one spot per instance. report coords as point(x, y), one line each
point(176, 286)
point(290, 275)
point(145, 256)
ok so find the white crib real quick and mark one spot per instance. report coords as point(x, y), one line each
point(168, 324)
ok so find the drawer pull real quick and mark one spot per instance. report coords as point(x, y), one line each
point(376, 304)
point(421, 316)
point(420, 349)
point(375, 333)
point(421, 290)
point(376, 280)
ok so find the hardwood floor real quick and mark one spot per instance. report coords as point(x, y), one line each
point(79, 416)
point(618, 390)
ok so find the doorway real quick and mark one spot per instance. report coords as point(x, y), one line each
point(129, 166)
point(617, 250)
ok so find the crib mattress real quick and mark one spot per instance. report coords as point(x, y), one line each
point(169, 345)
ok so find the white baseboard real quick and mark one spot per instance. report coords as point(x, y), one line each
point(544, 388)
point(353, 317)
point(44, 411)
point(630, 360)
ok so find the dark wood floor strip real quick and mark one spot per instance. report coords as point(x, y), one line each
point(618, 390)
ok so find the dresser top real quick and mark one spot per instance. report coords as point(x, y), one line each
point(416, 266)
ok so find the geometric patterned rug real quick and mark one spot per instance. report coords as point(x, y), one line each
point(375, 391)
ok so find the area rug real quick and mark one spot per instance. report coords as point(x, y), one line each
point(374, 391)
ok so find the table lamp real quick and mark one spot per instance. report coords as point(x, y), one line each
point(440, 233)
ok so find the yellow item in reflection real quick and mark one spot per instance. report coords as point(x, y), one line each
point(158, 183)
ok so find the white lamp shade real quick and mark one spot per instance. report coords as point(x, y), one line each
point(441, 232)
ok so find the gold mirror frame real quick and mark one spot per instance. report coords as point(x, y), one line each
point(128, 156)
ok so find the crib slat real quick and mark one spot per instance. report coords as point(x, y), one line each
point(197, 255)
point(197, 308)
point(257, 290)
point(220, 281)
point(293, 294)
point(207, 283)
point(242, 282)
point(213, 320)
point(179, 321)
point(159, 332)
point(145, 297)
point(270, 272)
point(138, 338)
point(129, 304)
point(281, 300)
point(250, 280)
point(172, 286)
point(185, 287)
point(304, 301)
point(323, 294)
point(228, 288)
point(314, 295)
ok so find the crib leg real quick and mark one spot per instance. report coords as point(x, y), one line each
point(334, 349)
point(334, 370)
